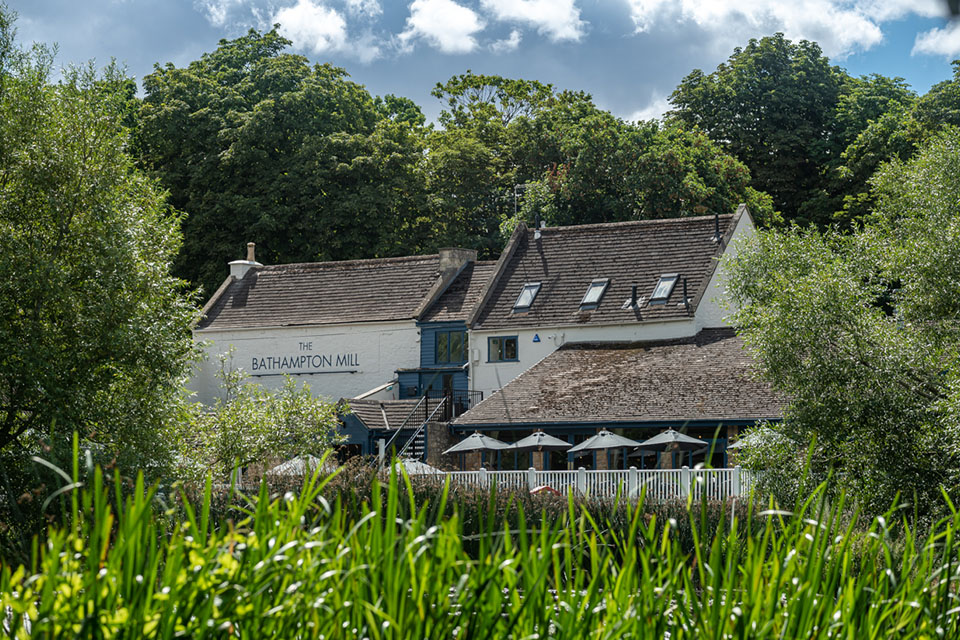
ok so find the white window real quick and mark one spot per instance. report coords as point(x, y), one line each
point(526, 297)
point(594, 292)
point(664, 288)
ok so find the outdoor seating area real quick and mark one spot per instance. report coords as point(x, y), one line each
point(605, 443)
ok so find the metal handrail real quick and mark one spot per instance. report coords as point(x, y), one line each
point(402, 424)
point(421, 428)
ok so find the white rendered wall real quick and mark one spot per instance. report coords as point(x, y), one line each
point(712, 308)
point(490, 376)
point(337, 361)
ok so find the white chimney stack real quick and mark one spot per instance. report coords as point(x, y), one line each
point(239, 268)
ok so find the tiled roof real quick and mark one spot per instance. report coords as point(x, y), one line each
point(706, 377)
point(371, 412)
point(462, 295)
point(324, 293)
point(566, 259)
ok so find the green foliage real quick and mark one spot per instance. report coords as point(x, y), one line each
point(481, 101)
point(251, 425)
point(810, 134)
point(257, 145)
point(301, 565)
point(859, 331)
point(94, 331)
point(501, 133)
point(772, 106)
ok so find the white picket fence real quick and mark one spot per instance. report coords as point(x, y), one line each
point(658, 484)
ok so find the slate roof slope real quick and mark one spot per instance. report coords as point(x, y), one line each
point(566, 259)
point(463, 294)
point(319, 293)
point(706, 377)
point(371, 412)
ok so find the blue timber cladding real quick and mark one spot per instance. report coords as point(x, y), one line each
point(432, 374)
point(428, 340)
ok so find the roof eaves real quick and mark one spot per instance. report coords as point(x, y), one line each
point(212, 301)
point(498, 272)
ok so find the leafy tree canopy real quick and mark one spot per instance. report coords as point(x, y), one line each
point(596, 167)
point(790, 116)
point(772, 106)
point(860, 331)
point(249, 425)
point(257, 145)
point(94, 331)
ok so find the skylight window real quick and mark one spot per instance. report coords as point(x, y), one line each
point(594, 292)
point(526, 297)
point(664, 288)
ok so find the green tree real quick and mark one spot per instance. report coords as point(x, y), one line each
point(94, 331)
point(505, 142)
point(250, 425)
point(859, 330)
point(257, 145)
point(772, 105)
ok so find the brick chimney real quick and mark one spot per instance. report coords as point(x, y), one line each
point(239, 268)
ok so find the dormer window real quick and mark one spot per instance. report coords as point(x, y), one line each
point(526, 297)
point(664, 288)
point(591, 299)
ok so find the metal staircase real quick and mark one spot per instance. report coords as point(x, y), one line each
point(415, 445)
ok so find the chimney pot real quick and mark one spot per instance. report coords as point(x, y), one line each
point(239, 268)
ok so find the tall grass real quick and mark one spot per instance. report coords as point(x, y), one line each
point(307, 565)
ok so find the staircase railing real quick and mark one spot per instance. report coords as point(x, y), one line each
point(404, 423)
point(421, 428)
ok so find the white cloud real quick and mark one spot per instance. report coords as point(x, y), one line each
point(444, 24)
point(839, 26)
point(365, 8)
point(221, 13)
point(942, 42)
point(313, 27)
point(656, 107)
point(508, 44)
point(557, 19)
point(884, 10)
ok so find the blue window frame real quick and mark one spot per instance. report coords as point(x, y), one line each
point(502, 349)
point(451, 347)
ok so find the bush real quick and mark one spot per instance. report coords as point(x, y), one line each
point(308, 564)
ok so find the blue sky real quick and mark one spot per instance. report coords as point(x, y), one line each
point(630, 54)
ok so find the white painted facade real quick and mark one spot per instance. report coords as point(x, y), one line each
point(533, 345)
point(713, 309)
point(337, 361)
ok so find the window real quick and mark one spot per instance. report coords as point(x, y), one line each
point(526, 297)
point(451, 347)
point(664, 288)
point(591, 299)
point(502, 349)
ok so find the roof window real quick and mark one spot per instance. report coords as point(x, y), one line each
point(526, 297)
point(664, 288)
point(591, 299)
